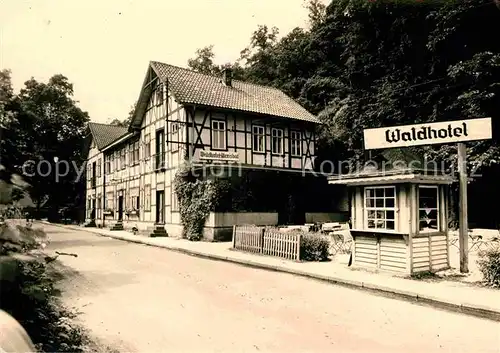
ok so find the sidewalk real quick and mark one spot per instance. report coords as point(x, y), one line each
point(451, 295)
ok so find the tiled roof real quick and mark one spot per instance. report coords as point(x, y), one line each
point(391, 179)
point(191, 87)
point(104, 134)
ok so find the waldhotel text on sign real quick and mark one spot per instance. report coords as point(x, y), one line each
point(427, 134)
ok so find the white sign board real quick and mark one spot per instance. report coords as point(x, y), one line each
point(220, 155)
point(428, 134)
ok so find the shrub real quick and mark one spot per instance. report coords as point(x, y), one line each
point(29, 295)
point(489, 265)
point(196, 199)
point(314, 247)
point(18, 238)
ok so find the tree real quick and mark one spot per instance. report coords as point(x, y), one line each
point(126, 122)
point(203, 62)
point(45, 122)
point(363, 64)
point(316, 12)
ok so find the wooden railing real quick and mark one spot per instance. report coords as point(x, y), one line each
point(267, 242)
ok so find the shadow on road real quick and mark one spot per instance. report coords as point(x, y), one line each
point(89, 282)
point(55, 244)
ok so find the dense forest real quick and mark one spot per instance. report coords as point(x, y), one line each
point(41, 136)
point(364, 64)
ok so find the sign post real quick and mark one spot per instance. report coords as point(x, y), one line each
point(463, 220)
point(438, 133)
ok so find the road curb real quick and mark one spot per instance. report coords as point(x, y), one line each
point(470, 309)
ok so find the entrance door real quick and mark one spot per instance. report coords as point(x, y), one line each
point(160, 207)
point(93, 212)
point(120, 208)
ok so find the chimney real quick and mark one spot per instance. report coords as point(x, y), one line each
point(227, 76)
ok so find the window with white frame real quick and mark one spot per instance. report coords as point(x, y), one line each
point(160, 94)
point(277, 141)
point(175, 135)
point(258, 136)
point(147, 198)
point(99, 167)
point(380, 207)
point(134, 153)
point(130, 152)
point(134, 202)
point(110, 201)
point(428, 208)
point(107, 164)
point(218, 135)
point(296, 143)
point(147, 146)
point(123, 160)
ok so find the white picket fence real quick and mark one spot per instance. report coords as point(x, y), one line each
point(267, 242)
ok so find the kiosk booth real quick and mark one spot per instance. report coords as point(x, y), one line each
point(399, 217)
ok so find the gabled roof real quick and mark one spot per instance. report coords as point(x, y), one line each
point(191, 87)
point(105, 134)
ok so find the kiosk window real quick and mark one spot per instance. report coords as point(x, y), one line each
point(428, 208)
point(380, 208)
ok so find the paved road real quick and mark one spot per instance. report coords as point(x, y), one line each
point(145, 299)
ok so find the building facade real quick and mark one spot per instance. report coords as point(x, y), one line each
point(247, 131)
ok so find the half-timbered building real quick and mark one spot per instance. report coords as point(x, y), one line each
point(255, 136)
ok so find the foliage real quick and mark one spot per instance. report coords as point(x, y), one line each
point(489, 265)
point(125, 122)
point(196, 198)
point(19, 238)
point(203, 62)
point(314, 247)
point(29, 294)
point(30, 299)
point(43, 121)
point(363, 64)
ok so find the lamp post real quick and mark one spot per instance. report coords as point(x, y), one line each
point(56, 206)
point(104, 191)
